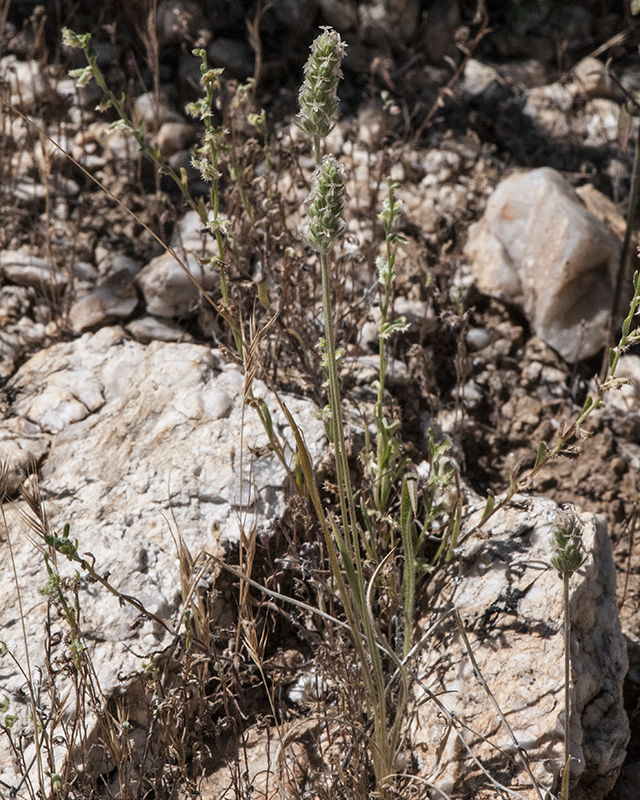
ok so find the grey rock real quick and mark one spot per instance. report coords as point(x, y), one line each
point(604, 208)
point(84, 271)
point(22, 448)
point(601, 121)
point(175, 136)
point(32, 191)
point(24, 269)
point(233, 55)
point(15, 301)
point(550, 108)
point(478, 338)
point(189, 231)
point(151, 113)
point(149, 329)
point(26, 82)
point(30, 332)
point(168, 290)
point(121, 262)
point(510, 600)
point(182, 160)
point(478, 77)
point(115, 299)
point(419, 316)
point(29, 191)
point(593, 80)
point(538, 247)
point(79, 96)
point(11, 348)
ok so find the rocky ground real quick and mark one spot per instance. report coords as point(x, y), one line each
point(445, 98)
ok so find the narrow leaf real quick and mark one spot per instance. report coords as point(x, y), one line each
point(542, 452)
point(489, 505)
point(268, 422)
point(456, 531)
point(407, 528)
point(624, 126)
point(412, 487)
point(352, 577)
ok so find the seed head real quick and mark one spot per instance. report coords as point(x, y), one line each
point(326, 204)
point(318, 94)
point(568, 553)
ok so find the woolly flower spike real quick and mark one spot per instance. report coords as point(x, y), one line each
point(567, 543)
point(318, 94)
point(326, 205)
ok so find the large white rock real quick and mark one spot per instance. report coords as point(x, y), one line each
point(133, 440)
point(510, 601)
point(538, 247)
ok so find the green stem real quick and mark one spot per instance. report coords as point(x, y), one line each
point(347, 503)
point(382, 486)
point(567, 681)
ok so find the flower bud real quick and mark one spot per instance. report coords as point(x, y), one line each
point(568, 554)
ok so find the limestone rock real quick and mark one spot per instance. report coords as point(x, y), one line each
point(148, 329)
point(115, 299)
point(22, 448)
point(26, 82)
point(538, 247)
point(128, 437)
point(11, 348)
point(24, 269)
point(175, 136)
point(510, 601)
point(167, 289)
point(604, 208)
point(478, 77)
point(152, 113)
point(593, 79)
point(552, 109)
point(15, 302)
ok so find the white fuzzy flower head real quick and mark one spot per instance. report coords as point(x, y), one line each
point(326, 205)
point(318, 94)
